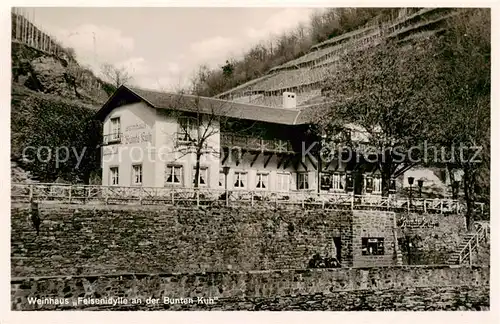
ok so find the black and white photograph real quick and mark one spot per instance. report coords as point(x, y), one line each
point(242, 158)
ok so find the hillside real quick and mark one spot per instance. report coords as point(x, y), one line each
point(58, 75)
point(53, 101)
point(306, 74)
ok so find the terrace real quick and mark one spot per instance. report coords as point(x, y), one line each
point(116, 195)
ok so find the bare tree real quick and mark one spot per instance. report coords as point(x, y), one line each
point(117, 75)
point(199, 119)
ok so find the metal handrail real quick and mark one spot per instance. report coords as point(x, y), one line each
point(472, 243)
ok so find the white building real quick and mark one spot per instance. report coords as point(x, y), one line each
point(147, 136)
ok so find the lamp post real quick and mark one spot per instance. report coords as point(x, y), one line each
point(225, 170)
point(410, 182)
point(454, 189)
point(420, 183)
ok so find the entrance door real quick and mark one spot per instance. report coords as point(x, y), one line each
point(358, 183)
point(338, 246)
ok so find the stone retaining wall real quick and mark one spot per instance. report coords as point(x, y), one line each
point(84, 240)
point(431, 238)
point(88, 240)
point(414, 288)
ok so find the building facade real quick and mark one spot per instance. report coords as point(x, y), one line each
point(148, 141)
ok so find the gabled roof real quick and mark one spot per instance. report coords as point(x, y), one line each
point(191, 103)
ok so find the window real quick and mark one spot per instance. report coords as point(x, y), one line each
point(338, 181)
point(173, 174)
point(262, 181)
point(186, 126)
point(372, 246)
point(283, 182)
point(326, 181)
point(369, 184)
point(377, 184)
point(374, 184)
point(240, 179)
point(115, 129)
point(302, 180)
point(392, 186)
point(203, 176)
point(137, 174)
point(347, 133)
point(113, 176)
point(349, 182)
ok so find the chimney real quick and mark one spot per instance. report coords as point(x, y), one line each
point(289, 100)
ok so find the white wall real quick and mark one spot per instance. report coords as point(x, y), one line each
point(137, 124)
point(166, 153)
point(271, 169)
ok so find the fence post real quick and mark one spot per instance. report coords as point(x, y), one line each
point(70, 189)
point(251, 198)
point(477, 241)
point(141, 193)
point(470, 253)
point(441, 203)
point(352, 202)
point(197, 198)
point(31, 192)
point(425, 206)
point(408, 204)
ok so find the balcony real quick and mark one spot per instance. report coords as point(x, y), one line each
point(113, 138)
point(183, 139)
point(256, 144)
point(188, 142)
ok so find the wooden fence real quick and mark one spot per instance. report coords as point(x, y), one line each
point(89, 194)
point(24, 31)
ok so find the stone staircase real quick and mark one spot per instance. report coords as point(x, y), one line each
point(470, 244)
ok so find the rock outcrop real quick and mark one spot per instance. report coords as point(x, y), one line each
point(61, 76)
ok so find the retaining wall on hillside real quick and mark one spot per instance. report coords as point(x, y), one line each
point(430, 238)
point(412, 288)
point(76, 240)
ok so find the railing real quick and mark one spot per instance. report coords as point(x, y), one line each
point(481, 232)
point(88, 194)
point(253, 143)
point(113, 138)
point(26, 32)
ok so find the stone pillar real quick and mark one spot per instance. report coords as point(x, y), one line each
point(346, 239)
point(398, 257)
